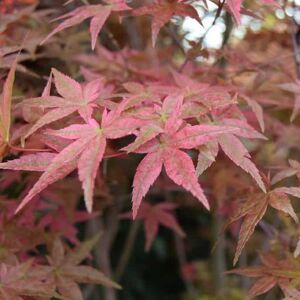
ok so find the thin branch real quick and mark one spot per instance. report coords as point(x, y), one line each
point(127, 250)
point(180, 250)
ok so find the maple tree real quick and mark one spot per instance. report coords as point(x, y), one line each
point(117, 107)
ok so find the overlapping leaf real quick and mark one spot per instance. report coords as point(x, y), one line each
point(74, 97)
point(271, 273)
point(233, 148)
point(24, 280)
point(66, 272)
point(98, 13)
point(254, 207)
point(85, 152)
point(164, 150)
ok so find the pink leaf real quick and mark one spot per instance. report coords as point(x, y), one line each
point(88, 165)
point(31, 162)
point(146, 173)
point(238, 153)
point(67, 87)
point(192, 136)
point(280, 201)
point(206, 157)
point(235, 8)
point(49, 117)
point(180, 168)
point(97, 23)
point(61, 165)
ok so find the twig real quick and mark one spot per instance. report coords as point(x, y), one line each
point(127, 250)
point(182, 261)
point(173, 34)
point(218, 257)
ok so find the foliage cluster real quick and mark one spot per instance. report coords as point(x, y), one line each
point(113, 94)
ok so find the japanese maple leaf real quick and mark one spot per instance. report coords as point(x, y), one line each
point(254, 207)
point(98, 13)
point(85, 152)
point(155, 215)
point(164, 149)
point(24, 280)
point(5, 109)
point(144, 93)
point(272, 272)
point(66, 272)
point(156, 118)
point(163, 10)
point(74, 97)
point(233, 148)
point(211, 97)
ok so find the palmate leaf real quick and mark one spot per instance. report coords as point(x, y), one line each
point(165, 151)
point(234, 149)
point(254, 207)
point(98, 13)
point(24, 280)
point(85, 152)
point(66, 272)
point(60, 166)
point(272, 272)
point(248, 226)
point(74, 97)
point(232, 146)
